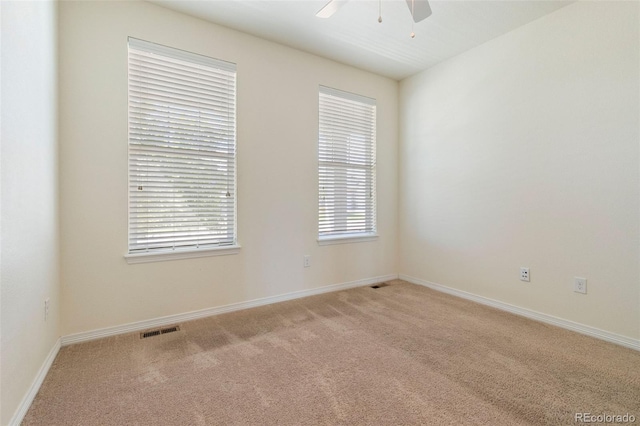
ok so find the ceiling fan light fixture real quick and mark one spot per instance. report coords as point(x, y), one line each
point(423, 11)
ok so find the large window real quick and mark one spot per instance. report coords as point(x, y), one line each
point(347, 166)
point(182, 152)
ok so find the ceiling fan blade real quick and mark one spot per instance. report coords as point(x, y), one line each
point(420, 9)
point(330, 8)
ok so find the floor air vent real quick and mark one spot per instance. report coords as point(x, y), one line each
point(380, 285)
point(152, 333)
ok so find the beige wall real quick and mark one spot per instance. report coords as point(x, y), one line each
point(29, 209)
point(277, 168)
point(524, 152)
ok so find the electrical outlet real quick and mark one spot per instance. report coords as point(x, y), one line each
point(307, 261)
point(46, 308)
point(580, 285)
point(524, 274)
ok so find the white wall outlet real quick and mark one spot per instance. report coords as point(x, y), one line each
point(46, 308)
point(524, 274)
point(580, 285)
point(307, 261)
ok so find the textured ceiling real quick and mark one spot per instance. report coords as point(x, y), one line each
point(353, 35)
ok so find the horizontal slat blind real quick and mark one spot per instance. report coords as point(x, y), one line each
point(182, 149)
point(347, 163)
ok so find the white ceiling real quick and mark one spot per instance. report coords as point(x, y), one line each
point(353, 35)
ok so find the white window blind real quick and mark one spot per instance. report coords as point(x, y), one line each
point(182, 150)
point(347, 164)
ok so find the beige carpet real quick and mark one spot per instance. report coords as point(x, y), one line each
point(401, 354)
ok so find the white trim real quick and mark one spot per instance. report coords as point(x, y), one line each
point(347, 95)
point(188, 316)
point(346, 239)
point(182, 55)
point(528, 313)
point(161, 256)
point(26, 402)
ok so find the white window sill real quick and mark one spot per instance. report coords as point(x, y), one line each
point(161, 256)
point(346, 239)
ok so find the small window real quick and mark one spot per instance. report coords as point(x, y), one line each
point(347, 166)
point(182, 150)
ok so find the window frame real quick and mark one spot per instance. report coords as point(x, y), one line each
point(191, 250)
point(349, 237)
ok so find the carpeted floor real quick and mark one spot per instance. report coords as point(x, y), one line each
point(398, 355)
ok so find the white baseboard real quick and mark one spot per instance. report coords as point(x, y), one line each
point(534, 315)
point(18, 416)
point(188, 316)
